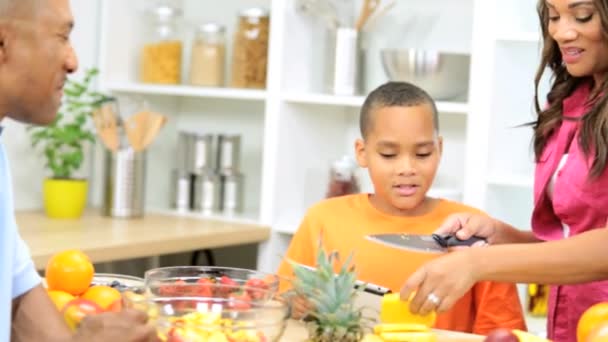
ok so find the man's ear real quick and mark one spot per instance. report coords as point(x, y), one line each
point(440, 144)
point(360, 152)
point(4, 33)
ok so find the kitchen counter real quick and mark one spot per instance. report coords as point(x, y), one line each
point(106, 239)
point(296, 332)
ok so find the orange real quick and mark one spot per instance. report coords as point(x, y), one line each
point(60, 298)
point(102, 295)
point(599, 333)
point(70, 271)
point(590, 319)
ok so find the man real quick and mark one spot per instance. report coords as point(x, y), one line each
point(35, 57)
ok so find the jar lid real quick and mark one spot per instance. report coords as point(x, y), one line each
point(254, 12)
point(211, 28)
point(165, 13)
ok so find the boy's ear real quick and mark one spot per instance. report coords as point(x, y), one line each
point(3, 37)
point(360, 152)
point(440, 144)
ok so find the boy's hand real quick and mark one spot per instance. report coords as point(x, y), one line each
point(466, 225)
point(300, 307)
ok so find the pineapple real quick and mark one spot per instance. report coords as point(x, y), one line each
point(334, 317)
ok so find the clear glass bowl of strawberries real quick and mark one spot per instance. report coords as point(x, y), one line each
point(211, 282)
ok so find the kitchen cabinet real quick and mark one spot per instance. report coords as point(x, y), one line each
point(293, 130)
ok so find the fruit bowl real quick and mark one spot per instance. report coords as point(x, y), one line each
point(214, 282)
point(215, 319)
point(121, 282)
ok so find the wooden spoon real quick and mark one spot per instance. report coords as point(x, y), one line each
point(105, 123)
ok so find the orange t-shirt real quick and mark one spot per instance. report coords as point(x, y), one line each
point(345, 221)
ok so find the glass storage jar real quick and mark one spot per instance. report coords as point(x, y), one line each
point(161, 55)
point(207, 62)
point(250, 52)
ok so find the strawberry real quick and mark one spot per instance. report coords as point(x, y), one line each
point(228, 285)
point(204, 287)
point(239, 301)
point(254, 286)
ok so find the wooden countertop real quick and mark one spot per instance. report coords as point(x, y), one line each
point(108, 239)
point(296, 332)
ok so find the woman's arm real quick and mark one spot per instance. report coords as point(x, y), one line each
point(579, 259)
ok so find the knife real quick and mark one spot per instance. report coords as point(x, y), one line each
point(367, 287)
point(434, 243)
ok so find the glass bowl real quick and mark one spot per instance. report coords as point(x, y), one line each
point(208, 281)
point(121, 282)
point(211, 319)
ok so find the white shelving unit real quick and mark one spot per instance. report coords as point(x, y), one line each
point(292, 130)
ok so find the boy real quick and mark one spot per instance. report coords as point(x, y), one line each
point(401, 149)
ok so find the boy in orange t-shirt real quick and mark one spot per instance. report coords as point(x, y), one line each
point(401, 149)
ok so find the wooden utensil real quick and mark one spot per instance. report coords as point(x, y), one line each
point(142, 128)
point(105, 123)
point(367, 9)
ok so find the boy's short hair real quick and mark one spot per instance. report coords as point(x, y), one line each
point(391, 94)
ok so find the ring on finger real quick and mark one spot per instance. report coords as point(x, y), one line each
point(433, 298)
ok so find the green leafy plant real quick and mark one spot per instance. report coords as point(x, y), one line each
point(62, 142)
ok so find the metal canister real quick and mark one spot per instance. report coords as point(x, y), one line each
point(180, 196)
point(124, 183)
point(201, 153)
point(229, 153)
point(207, 192)
point(232, 192)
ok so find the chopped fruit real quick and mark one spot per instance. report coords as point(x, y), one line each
point(394, 310)
point(393, 327)
point(195, 326)
point(255, 285)
point(239, 301)
point(415, 336)
point(204, 288)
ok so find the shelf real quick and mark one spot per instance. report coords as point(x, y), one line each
point(519, 37)
point(186, 91)
point(249, 217)
point(357, 101)
point(520, 181)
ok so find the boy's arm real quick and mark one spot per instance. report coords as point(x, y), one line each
point(497, 306)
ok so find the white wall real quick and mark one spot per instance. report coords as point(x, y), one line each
point(27, 165)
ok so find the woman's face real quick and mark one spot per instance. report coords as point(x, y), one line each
point(576, 26)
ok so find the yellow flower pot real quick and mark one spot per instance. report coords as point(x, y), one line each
point(64, 198)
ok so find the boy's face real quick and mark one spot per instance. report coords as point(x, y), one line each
point(402, 153)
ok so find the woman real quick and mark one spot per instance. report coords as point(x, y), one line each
point(570, 188)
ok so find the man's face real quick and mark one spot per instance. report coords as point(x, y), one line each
point(36, 58)
point(402, 153)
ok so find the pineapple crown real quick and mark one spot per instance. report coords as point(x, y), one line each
point(332, 294)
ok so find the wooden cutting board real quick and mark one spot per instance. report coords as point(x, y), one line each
point(296, 332)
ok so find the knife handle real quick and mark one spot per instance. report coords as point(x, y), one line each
point(452, 241)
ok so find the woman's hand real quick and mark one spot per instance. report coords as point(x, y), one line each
point(441, 282)
point(466, 225)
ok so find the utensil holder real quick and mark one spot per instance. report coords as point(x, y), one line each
point(343, 61)
point(124, 183)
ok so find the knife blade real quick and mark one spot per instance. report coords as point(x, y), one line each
point(433, 243)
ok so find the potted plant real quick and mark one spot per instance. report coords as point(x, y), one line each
point(62, 144)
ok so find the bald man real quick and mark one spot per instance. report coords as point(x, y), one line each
point(35, 58)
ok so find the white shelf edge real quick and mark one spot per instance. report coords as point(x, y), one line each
point(186, 91)
point(357, 101)
point(247, 217)
point(520, 181)
point(519, 37)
